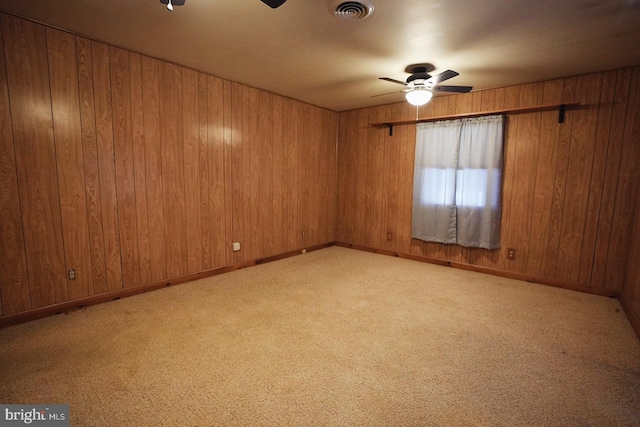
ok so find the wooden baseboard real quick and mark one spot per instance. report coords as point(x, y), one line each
point(488, 270)
point(633, 316)
point(69, 306)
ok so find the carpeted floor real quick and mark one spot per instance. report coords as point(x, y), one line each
point(336, 337)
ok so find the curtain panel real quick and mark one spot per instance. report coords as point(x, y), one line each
point(457, 182)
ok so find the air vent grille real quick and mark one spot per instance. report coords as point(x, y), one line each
point(352, 10)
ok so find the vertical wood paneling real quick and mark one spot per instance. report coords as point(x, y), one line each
point(578, 177)
point(614, 152)
point(14, 282)
point(290, 226)
point(216, 150)
point(253, 150)
point(566, 186)
point(560, 177)
point(237, 171)
point(265, 173)
point(227, 170)
point(598, 169)
point(544, 176)
point(203, 166)
point(63, 77)
point(347, 134)
point(170, 83)
point(362, 233)
point(375, 180)
point(302, 141)
point(153, 168)
point(146, 170)
point(248, 194)
point(106, 163)
point(511, 97)
point(139, 167)
point(277, 178)
point(29, 94)
point(524, 144)
point(125, 173)
point(626, 190)
point(90, 162)
point(192, 172)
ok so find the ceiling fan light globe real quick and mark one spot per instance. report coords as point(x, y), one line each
point(418, 97)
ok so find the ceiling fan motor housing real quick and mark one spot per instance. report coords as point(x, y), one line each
point(418, 76)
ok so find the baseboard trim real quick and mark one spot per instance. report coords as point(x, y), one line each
point(65, 307)
point(487, 270)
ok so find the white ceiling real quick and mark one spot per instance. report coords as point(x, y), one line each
point(301, 50)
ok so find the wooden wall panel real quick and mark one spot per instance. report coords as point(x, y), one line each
point(598, 170)
point(579, 171)
point(631, 289)
point(557, 198)
point(628, 176)
point(277, 178)
point(139, 167)
point(613, 157)
point(67, 130)
point(253, 185)
point(192, 172)
point(567, 187)
point(525, 151)
point(124, 160)
point(145, 171)
point(90, 162)
point(170, 78)
point(290, 225)
point(217, 180)
point(14, 282)
point(227, 123)
point(543, 190)
point(153, 168)
point(203, 166)
point(264, 172)
point(27, 69)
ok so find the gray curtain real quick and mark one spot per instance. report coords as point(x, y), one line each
point(457, 182)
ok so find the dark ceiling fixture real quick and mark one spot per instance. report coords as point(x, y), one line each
point(271, 3)
point(420, 85)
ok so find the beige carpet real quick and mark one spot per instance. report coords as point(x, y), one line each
point(336, 337)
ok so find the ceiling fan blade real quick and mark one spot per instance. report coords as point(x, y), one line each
point(389, 93)
point(458, 89)
point(445, 75)
point(273, 4)
point(389, 79)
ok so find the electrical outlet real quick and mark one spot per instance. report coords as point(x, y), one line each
point(236, 246)
point(389, 236)
point(71, 275)
point(303, 233)
point(511, 253)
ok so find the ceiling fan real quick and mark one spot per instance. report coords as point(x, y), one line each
point(420, 85)
point(273, 4)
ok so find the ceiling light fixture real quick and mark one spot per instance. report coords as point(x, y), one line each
point(419, 95)
point(169, 6)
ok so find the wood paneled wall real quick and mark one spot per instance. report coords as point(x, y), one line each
point(631, 291)
point(568, 189)
point(131, 170)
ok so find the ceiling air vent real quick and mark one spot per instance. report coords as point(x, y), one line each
point(352, 10)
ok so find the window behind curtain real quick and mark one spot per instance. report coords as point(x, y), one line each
point(457, 182)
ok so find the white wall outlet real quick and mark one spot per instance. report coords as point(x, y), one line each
point(236, 246)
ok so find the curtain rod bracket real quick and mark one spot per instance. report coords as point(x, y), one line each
point(390, 126)
point(561, 113)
